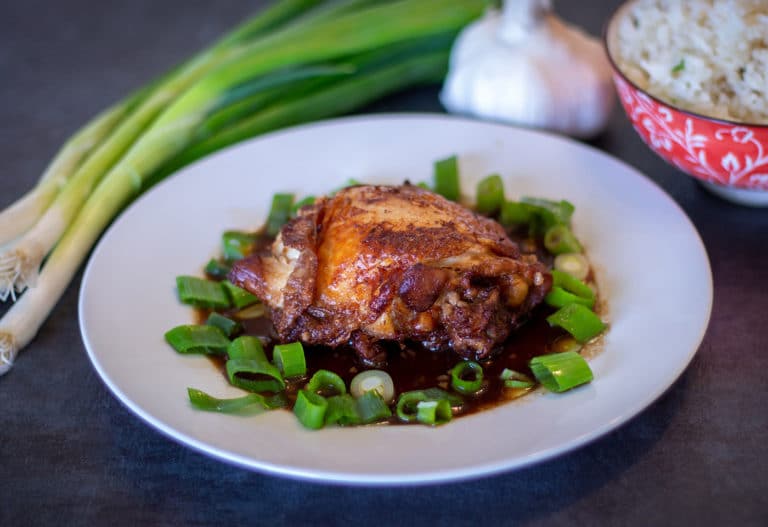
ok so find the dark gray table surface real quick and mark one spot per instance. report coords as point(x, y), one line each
point(71, 454)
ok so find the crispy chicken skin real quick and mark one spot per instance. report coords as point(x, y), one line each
point(377, 263)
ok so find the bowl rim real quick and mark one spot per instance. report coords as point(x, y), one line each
point(618, 71)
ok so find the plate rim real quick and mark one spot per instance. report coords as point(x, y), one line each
point(440, 476)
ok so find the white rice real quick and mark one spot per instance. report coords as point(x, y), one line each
point(706, 56)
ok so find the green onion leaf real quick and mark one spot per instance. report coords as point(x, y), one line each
point(310, 409)
point(572, 284)
point(203, 401)
point(559, 239)
point(559, 372)
point(551, 212)
point(407, 405)
point(279, 213)
point(217, 270)
point(290, 359)
point(467, 377)
point(237, 245)
point(514, 379)
point(326, 383)
point(197, 339)
point(490, 195)
point(372, 408)
point(246, 347)
point(199, 292)
point(249, 369)
point(309, 200)
point(577, 320)
point(342, 410)
point(240, 297)
point(227, 326)
point(515, 213)
point(559, 297)
point(251, 312)
point(437, 394)
point(433, 413)
point(680, 66)
point(446, 178)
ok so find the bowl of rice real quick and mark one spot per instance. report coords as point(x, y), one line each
point(692, 76)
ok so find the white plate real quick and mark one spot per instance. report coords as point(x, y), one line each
point(652, 264)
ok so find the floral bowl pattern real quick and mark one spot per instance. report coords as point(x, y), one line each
point(731, 158)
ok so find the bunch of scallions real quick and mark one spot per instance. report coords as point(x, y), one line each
point(296, 61)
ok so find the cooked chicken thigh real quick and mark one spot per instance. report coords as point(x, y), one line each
point(379, 263)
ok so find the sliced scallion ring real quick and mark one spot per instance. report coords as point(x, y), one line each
point(515, 379)
point(575, 264)
point(290, 359)
point(372, 408)
point(197, 339)
point(377, 380)
point(310, 409)
point(326, 383)
point(559, 372)
point(467, 377)
point(433, 413)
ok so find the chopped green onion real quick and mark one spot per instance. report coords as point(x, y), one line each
point(377, 380)
point(490, 194)
point(326, 383)
point(248, 367)
point(290, 359)
point(309, 200)
point(407, 405)
point(197, 339)
point(559, 297)
point(572, 284)
point(371, 407)
point(559, 239)
point(239, 296)
point(199, 292)
point(514, 213)
point(551, 212)
point(446, 178)
point(467, 377)
point(577, 320)
point(342, 410)
point(559, 372)
point(216, 269)
point(424, 185)
point(514, 379)
point(228, 326)
point(310, 409)
point(279, 213)
point(456, 401)
point(253, 311)
point(433, 413)
point(237, 245)
point(246, 347)
point(575, 264)
point(680, 66)
point(203, 401)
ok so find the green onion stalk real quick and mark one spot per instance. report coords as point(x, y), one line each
point(167, 124)
point(43, 215)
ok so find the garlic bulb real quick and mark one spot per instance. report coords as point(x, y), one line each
point(525, 66)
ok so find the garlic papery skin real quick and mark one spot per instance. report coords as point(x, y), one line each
point(525, 66)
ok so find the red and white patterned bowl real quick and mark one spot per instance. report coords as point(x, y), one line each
point(729, 158)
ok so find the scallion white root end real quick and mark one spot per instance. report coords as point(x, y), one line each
point(8, 351)
point(18, 270)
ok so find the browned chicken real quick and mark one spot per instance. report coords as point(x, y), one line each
point(379, 263)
